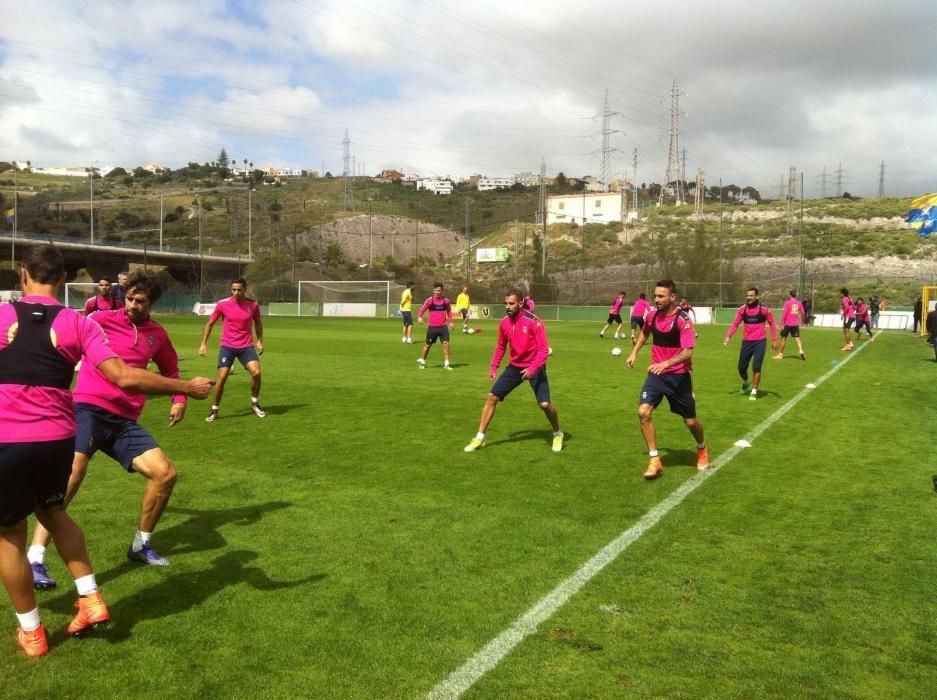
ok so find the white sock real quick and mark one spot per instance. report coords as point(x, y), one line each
point(255, 399)
point(558, 433)
point(36, 555)
point(86, 585)
point(215, 408)
point(754, 392)
point(140, 540)
point(700, 445)
point(29, 620)
point(446, 363)
point(652, 453)
point(479, 436)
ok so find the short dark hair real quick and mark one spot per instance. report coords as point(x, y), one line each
point(858, 298)
point(438, 284)
point(844, 291)
point(105, 279)
point(409, 284)
point(623, 292)
point(146, 282)
point(44, 263)
point(240, 280)
point(667, 284)
point(514, 291)
point(753, 289)
point(642, 295)
point(792, 293)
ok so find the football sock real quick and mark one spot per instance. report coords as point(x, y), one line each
point(29, 620)
point(557, 433)
point(700, 445)
point(479, 436)
point(215, 408)
point(652, 453)
point(86, 585)
point(36, 555)
point(140, 540)
point(255, 399)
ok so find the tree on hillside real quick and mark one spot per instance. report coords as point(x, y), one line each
point(117, 172)
point(223, 160)
point(561, 179)
point(334, 254)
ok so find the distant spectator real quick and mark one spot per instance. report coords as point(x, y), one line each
point(918, 307)
point(874, 308)
point(119, 292)
point(808, 311)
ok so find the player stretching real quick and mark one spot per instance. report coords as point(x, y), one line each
point(527, 337)
point(614, 316)
point(754, 315)
point(440, 323)
point(639, 311)
point(238, 314)
point(793, 317)
point(406, 303)
point(462, 303)
point(673, 339)
point(863, 319)
point(107, 419)
point(40, 342)
point(848, 315)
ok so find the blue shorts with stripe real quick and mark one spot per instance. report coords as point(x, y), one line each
point(677, 387)
point(511, 378)
point(121, 439)
point(227, 356)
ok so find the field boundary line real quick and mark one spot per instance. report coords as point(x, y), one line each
point(489, 656)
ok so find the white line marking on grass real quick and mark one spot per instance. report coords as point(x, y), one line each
point(492, 653)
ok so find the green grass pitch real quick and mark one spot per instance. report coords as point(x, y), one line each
point(346, 547)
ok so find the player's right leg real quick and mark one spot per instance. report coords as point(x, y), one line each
point(161, 476)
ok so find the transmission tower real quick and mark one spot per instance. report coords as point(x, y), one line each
point(673, 150)
point(700, 190)
point(541, 206)
point(881, 180)
point(683, 167)
point(824, 183)
point(791, 195)
point(634, 182)
point(346, 155)
point(839, 180)
point(605, 170)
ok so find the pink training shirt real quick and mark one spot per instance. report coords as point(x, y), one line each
point(640, 308)
point(793, 313)
point(615, 308)
point(42, 414)
point(671, 334)
point(755, 319)
point(862, 312)
point(440, 311)
point(136, 345)
point(99, 303)
point(238, 321)
point(849, 309)
point(528, 340)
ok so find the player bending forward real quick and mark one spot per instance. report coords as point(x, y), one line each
point(527, 338)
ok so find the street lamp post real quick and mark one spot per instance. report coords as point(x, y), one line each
point(370, 237)
point(16, 216)
point(249, 215)
point(92, 204)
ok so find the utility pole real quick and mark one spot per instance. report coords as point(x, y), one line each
point(720, 242)
point(92, 204)
point(824, 182)
point(839, 180)
point(634, 183)
point(201, 264)
point(161, 222)
point(468, 245)
point(346, 157)
point(791, 190)
point(542, 204)
point(803, 263)
point(370, 238)
point(700, 191)
point(881, 180)
point(672, 173)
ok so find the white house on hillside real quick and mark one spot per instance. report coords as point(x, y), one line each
point(435, 186)
point(492, 183)
point(588, 207)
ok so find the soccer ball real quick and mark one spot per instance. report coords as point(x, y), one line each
point(616, 351)
point(471, 330)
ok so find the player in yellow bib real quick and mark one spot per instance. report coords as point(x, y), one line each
point(406, 305)
point(463, 302)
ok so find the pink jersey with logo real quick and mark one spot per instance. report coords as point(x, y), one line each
point(793, 313)
point(640, 308)
point(528, 340)
point(528, 305)
point(440, 311)
point(37, 413)
point(615, 308)
point(862, 312)
point(675, 333)
point(238, 319)
point(136, 345)
point(99, 303)
point(754, 318)
point(849, 310)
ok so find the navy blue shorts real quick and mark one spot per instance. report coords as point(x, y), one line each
point(677, 387)
point(793, 331)
point(226, 356)
point(616, 318)
point(465, 313)
point(407, 318)
point(120, 439)
point(847, 323)
point(637, 322)
point(510, 379)
point(752, 351)
point(866, 324)
point(31, 474)
point(437, 332)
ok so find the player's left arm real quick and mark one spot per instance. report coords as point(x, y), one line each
point(543, 350)
point(259, 330)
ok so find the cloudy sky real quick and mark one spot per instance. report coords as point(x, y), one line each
point(442, 88)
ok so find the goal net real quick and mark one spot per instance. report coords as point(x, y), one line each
point(78, 293)
point(367, 298)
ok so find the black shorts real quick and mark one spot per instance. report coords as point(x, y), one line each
point(407, 318)
point(614, 318)
point(793, 331)
point(510, 379)
point(465, 314)
point(121, 439)
point(847, 323)
point(437, 332)
point(752, 351)
point(677, 387)
point(866, 324)
point(226, 356)
point(33, 474)
point(637, 322)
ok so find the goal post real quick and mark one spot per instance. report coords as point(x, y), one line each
point(357, 298)
point(928, 303)
point(78, 293)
